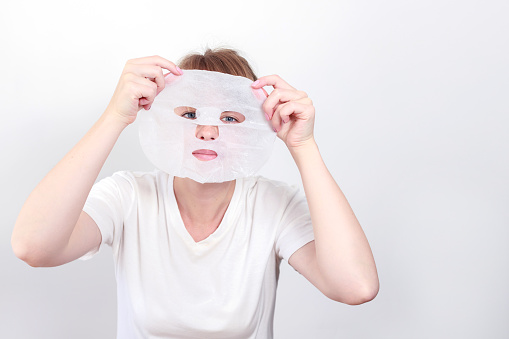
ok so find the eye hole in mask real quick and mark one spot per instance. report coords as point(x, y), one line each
point(227, 117)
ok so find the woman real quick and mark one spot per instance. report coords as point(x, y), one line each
point(216, 275)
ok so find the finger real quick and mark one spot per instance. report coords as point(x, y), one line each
point(280, 96)
point(145, 82)
point(145, 90)
point(285, 111)
point(265, 92)
point(158, 61)
point(151, 72)
point(271, 80)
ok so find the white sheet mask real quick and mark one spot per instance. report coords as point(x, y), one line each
point(195, 102)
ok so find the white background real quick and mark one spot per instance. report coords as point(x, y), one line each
point(412, 120)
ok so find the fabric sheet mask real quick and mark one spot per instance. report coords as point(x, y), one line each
point(183, 120)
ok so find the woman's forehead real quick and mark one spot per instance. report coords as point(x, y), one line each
point(211, 88)
point(211, 93)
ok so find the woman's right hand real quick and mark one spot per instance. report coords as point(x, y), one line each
point(141, 80)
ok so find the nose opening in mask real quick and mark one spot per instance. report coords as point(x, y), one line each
point(207, 132)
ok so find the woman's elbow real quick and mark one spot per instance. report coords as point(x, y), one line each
point(27, 252)
point(356, 296)
point(362, 298)
point(21, 251)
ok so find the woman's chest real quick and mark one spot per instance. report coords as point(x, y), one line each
point(224, 287)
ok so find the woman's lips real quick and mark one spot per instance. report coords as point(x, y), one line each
point(204, 154)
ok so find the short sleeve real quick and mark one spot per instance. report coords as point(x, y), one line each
point(107, 204)
point(295, 229)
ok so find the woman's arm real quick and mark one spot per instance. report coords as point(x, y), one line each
point(343, 255)
point(339, 262)
point(43, 233)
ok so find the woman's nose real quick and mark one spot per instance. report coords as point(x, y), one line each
point(207, 132)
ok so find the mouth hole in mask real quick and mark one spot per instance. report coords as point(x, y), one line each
point(226, 117)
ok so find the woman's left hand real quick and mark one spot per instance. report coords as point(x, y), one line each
point(290, 111)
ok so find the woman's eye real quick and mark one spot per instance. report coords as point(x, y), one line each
point(189, 115)
point(228, 119)
point(185, 112)
point(232, 117)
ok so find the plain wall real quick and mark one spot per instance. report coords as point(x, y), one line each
point(412, 120)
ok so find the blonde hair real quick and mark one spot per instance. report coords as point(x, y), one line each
point(224, 60)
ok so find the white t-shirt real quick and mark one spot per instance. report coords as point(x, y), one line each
point(170, 286)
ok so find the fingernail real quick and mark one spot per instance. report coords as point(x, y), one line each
point(255, 83)
point(267, 116)
point(275, 130)
point(180, 71)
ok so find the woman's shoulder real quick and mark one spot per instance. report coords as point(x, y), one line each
point(138, 178)
point(264, 181)
point(269, 187)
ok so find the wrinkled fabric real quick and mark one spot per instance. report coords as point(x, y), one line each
point(169, 139)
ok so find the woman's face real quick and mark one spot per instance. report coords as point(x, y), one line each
point(207, 126)
point(208, 132)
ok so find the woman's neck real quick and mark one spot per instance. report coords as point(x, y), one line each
point(202, 206)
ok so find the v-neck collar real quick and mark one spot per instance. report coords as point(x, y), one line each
point(224, 225)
